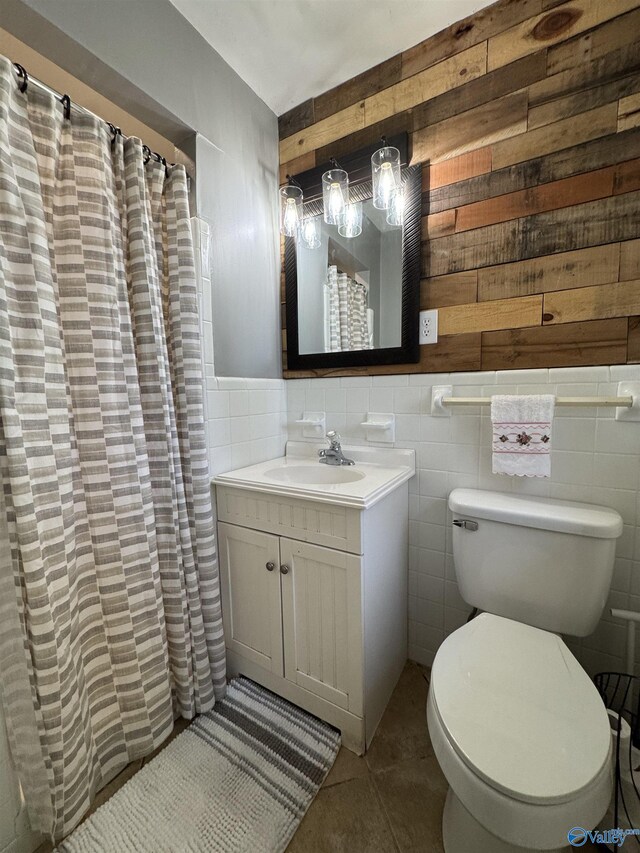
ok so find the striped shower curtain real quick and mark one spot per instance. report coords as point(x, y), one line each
point(110, 622)
point(346, 302)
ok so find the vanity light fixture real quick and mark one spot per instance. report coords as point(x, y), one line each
point(310, 232)
point(290, 207)
point(335, 193)
point(351, 225)
point(395, 212)
point(385, 174)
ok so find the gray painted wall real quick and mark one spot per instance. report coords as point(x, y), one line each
point(144, 56)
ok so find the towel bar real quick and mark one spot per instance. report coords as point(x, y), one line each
point(615, 402)
point(626, 402)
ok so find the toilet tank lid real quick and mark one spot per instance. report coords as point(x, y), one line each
point(579, 519)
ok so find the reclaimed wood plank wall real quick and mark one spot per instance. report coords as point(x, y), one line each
point(526, 117)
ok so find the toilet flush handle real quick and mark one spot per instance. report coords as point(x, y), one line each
point(467, 525)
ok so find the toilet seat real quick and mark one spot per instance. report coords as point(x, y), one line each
point(520, 711)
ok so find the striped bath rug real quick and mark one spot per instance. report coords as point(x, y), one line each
point(238, 780)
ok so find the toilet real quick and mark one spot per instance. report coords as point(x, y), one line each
point(516, 724)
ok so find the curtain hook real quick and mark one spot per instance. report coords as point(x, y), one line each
point(115, 131)
point(22, 74)
point(65, 100)
point(147, 154)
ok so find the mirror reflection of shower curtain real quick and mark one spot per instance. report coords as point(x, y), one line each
point(348, 319)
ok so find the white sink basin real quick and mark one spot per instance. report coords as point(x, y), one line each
point(377, 471)
point(313, 475)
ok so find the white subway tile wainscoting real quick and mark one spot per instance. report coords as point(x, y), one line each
point(595, 459)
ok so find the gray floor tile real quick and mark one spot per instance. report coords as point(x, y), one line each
point(345, 818)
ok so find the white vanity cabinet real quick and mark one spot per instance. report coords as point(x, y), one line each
point(293, 609)
point(314, 597)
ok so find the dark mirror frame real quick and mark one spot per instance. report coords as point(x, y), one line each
point(358, 165)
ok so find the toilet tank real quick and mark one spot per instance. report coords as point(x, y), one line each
point(544, 562)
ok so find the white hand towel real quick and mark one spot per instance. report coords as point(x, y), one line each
point(522, 434)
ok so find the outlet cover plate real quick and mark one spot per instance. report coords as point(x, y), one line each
point(428, 329)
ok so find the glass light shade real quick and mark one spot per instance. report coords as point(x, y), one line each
point(395, 212)
point(310, 232)
point(351, 225)
point(385, 173)
point(290, 210)
point(335, 195)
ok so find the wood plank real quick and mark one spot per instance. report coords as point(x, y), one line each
point(473, 129)
point(566, 270)
point(612, 66)
point(554, 137)
point(627, 177)
point(568, 345)
point(552, 27)
point(358, 88)
point(400, 123)
point(438, 224)
point(296, 119)
point(467, 32)
point(594, 44)
point(450, 353)
point(629, 260)
point(482, 90)
point(596, 154)
point(456, 289)
point(295, 167)
point(459, 168)
point(427, 84)
point(591, 224)
point(322, 132)
point(483, 247)
point(551, 196)
point(633, 341)
point(488, 316)
point(629, 112)
point(601, 302)
point(580, 102)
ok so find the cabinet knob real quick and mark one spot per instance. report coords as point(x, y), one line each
point(284, 570)
point(270, 566)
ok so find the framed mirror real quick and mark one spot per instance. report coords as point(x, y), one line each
point(353, 286)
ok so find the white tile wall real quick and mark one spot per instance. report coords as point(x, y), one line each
point(246, 421)
point(594, 459)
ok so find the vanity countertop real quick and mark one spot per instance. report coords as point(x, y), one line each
point(376, 473)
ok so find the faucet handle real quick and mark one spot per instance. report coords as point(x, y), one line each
point(332, 435)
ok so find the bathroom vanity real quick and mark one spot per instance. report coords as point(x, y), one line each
point(313, 564)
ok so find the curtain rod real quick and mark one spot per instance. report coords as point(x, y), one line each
point(25, 80)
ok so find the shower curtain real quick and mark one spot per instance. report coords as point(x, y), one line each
point(347, 307)
point(110, 622)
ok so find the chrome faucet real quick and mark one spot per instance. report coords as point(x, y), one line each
point(333, 455)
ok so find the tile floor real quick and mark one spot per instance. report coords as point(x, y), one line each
point(389, 801)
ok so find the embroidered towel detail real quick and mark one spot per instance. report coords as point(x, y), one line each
point(522, 434)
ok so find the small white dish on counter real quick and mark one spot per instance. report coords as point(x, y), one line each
point(377, 471)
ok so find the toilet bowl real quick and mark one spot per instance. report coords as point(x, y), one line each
point(522, 736)
point(516, 724)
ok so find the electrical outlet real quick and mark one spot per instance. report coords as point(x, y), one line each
point(429, 327)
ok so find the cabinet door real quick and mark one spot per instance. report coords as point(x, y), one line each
point(251, 601)
point(322, 618)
